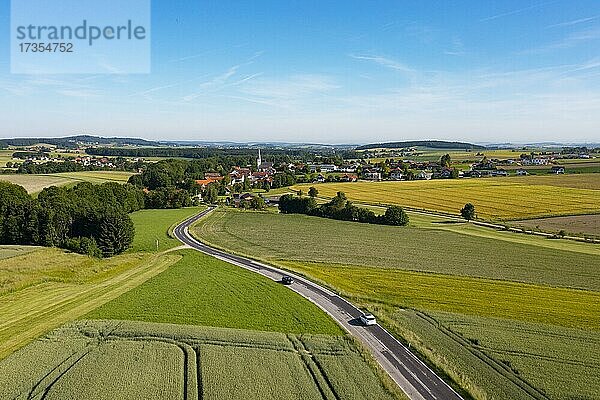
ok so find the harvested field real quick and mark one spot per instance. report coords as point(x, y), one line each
point(580, 225)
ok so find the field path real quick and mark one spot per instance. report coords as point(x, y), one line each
point(31, 312)
point(411, 374)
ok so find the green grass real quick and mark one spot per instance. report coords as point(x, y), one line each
point(41, 288)
point(201, 290)
point(444, 249)
point(538, 288)
point(153, 225)
point(126, 359)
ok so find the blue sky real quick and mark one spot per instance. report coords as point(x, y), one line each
point(334, 72)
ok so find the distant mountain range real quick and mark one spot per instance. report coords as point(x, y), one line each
point(433, 144)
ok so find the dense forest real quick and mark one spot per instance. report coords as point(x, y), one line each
point(88, 219)
point(76, 141)
point(433, 144)
point(244, 156)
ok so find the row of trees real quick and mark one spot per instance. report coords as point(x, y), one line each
point(89, 219)
point(342, 209)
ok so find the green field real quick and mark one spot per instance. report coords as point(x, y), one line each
point(42, 288)
point(427, 246)
point(442, 269)
point(494, 199)
point(146, 330)
point(214, 293)
point(36, 183)
point(122, 359)
point(153, 225)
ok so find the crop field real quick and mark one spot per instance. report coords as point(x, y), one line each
point(468, 296)
point(214, 293)
point(5, 156)
point(582, 181)
point(36, 183)
point(145, 360)
point(153, 225)
point(457, 249)
point(581, 225)
point(494, 199)
point(570, 356)
point(432, 284)
point(97, 176)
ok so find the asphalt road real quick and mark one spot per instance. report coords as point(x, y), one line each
point(411, 374)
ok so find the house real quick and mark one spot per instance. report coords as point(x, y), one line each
point(319, 179)
point(261, 176)
point(208, 180)
point(422, 175)
point(322, 168)
point(238, 198)
point(372, 175)
point(522, 172)
point(500, 172)
point(396, 174)
point(557, 169)
point(239, 175)
point(348, 178)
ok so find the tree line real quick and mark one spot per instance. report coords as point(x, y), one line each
point(88, 219)
point(341, 208)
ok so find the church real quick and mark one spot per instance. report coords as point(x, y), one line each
point(264, 166)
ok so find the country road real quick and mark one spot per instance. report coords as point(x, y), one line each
point(411, 374)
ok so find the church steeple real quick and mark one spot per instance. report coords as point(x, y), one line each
point(258, 160)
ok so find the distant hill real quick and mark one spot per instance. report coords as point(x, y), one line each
point(75, 141)
point(434, 144)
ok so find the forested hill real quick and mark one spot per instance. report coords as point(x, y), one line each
point(75, 141)
point(434, 144)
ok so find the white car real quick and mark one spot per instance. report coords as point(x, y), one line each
point(367, 319)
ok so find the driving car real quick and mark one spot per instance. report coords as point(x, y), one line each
point(367, 319)
point(287, 280)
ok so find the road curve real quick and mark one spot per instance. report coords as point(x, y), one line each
point(411, 374)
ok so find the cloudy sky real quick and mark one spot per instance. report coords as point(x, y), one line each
point(333, 72)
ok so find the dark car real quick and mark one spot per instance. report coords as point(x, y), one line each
point(287, 280)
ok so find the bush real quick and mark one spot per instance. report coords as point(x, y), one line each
point(83, 245)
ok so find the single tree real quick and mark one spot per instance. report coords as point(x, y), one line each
point(313, 191)
point(445, 161)
point(395, 215)
point(468, 212)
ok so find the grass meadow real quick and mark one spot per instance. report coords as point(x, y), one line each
point(414, 277)
point(153, 225)
point(494, 198)
point(201, 290)
point(42, 288)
